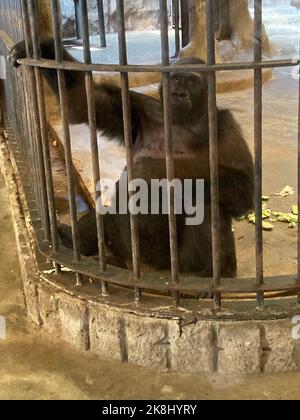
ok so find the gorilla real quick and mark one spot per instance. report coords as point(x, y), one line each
point(189, 103)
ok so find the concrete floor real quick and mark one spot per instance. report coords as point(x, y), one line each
point(33, 366)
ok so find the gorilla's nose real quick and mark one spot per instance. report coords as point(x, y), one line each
point(179, 95)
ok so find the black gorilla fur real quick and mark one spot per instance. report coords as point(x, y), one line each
point(191, 157)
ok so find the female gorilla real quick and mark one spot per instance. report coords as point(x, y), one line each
point(189, 101)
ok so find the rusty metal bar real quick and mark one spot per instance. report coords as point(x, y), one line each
point(133, 68)
point(63, 97)
point(185, 22)
point(213, 151)
point(77, 19)
point(26, 118)
point(299, 182)
point(44, 129)
point(258, 147)
point(128, 141)
point(176, 16)
point(259, 285)
point(166, 85)
point(190, 284)
point(90, 94)
point(32, 115)
point(103, 43)
point(41, 177)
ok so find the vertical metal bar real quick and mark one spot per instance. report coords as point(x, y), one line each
point(102, 33)
point(185, 22)
point(63, 97)
point(90, 94)
point(39, 146)
point(27, 94)
point(77, 19)
point(166, 84)
point(258, 146)
point(213, 151)
point(44, 130)
point(28, 76)
point(128, 141)
point(299, 180)
point(176, 13)
point(31, 102)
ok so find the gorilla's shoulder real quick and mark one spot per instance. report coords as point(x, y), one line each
point(227, 123)
point(225, 117)
point(147, 106)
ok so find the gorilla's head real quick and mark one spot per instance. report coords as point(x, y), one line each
point(188, 93)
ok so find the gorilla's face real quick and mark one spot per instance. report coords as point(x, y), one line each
point(188, 95)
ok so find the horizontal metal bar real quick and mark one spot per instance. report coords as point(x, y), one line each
point(132, 68)
point(163, 282)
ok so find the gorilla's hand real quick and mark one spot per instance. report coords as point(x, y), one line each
point(16, 53)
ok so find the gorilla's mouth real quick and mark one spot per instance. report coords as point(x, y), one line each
point(179, 107)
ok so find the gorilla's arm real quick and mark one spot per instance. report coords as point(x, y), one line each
point(108, 97)
point(236, 169)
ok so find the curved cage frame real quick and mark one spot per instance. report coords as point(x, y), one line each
point(26, 113)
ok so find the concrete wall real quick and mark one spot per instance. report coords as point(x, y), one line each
point(295, 3)
point(242, 32)
point(139, 15)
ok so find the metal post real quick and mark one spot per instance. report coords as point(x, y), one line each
point(44, 129)
point(214, 160)
point(41, 180)
point(166, 84)
point(90, 94)
point(63, 97)
point(128, 141)
point(176, 17)
point(78, 19)
point(299, 182)
point(258, 147)
point(102, 33)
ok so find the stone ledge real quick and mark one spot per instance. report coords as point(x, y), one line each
point(230, 348)
point(192, 347)
point(239, 348)
point(278, 346)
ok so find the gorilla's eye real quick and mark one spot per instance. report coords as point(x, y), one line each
point(176, 82)
point(184, 96)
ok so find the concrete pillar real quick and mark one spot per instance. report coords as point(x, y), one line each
point(231, 42)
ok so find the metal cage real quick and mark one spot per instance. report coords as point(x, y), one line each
point(25, 109)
